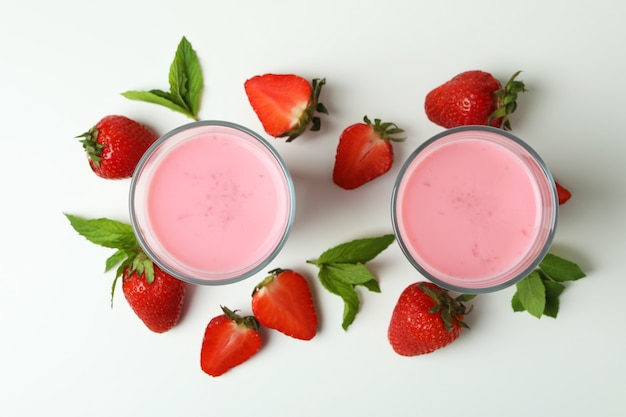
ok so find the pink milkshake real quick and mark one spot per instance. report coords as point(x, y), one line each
point(211, 202)
point(474, 209)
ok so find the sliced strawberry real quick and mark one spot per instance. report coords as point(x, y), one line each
point(364, 152)
point(285, 103)
point(563, 193)
point(229, 340)
point(283, 302)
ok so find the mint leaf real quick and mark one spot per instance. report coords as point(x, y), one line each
point(342, 268)
point(532, 294)
point(357, 251)
point(551, 273)
point(553, 291)
point(516, 303)
point(560, 269)
point(185, 77)
point(345, 291)
point(353, 274)
point(157, 97)
point(186, 84)
point(104, 232)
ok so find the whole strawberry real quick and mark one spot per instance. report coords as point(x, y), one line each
point(115, 145)
point(283, 302)
point(156, 297)
point(426, 318)
point(473, 98)
point(364, 152)
point(285, 103)
point(229, 340)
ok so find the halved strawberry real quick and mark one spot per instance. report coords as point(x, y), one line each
point(364, 152)
point(229, 340)
point(563, 193)
point(283, 302)
point(285, 103)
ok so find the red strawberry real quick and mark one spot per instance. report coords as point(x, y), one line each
point(283, 302)
point(563, 193)
point(473, 98)
point(229, 340)
point(285, 103)
point(426, 318)
point(115, 145)
point(155, 297)
point(364, 152)
point(157, 302)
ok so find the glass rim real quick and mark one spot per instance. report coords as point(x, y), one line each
point(548, 237)
point(247, 270)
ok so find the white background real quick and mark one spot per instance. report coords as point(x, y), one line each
point(64, 351)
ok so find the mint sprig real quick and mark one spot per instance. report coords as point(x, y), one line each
point(186, 84)
point(539, 292)
point(342, 268)
point(115, 235)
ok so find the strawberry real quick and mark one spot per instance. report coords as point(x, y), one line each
point(229, 340)
point(285, 103)
point(156, 297)
point(563, 193)
point(364, 152)
point(158, 303)
point(473, 98)
point(115, 145)
point(283, 302)
point(426, 318)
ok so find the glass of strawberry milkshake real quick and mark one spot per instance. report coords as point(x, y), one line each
point(211, 202)
point(474, 209)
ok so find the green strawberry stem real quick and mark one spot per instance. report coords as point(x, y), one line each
point(385, 130)
point(450, 308)
point(309, 114)
point(249, 322)
point(507, 101)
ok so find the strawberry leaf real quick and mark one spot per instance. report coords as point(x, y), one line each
point(186, 84)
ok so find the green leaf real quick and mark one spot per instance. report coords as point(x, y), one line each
point(104, 232)
point(356, 251)
point(532, 294)
point(118, 257)
point(186, 84)
point(153, 97)
point(553, 291)
point(372, 285)
point(516, 303)
point(185, 77)
point(353, 274)
point(560, 269)
point(346, 292)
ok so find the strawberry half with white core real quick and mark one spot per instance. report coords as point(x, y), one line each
point(283, 302)
point(364, 152)
point(229, 340)
point(286, 103)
